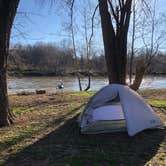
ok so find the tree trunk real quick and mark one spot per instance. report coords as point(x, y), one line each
point(79, 81)
point(140, 71)
point(5, 112)
point(138, 78)
point(108, 36)
point(115, 43)
point(89, 82)
point(5, 116)
point(8, 10)
point(132, 44)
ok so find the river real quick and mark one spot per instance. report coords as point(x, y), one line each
point(30, 84)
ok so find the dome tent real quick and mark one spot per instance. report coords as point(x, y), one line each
point(117, 108)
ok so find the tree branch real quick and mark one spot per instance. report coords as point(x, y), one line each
point(113, 12)
point(92, 20)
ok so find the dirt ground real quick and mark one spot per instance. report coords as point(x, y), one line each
point(46, 133)
point(50, 100)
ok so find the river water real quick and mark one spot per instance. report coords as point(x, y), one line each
point(30, 84)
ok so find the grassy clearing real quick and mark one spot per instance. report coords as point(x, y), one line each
point(46, 133)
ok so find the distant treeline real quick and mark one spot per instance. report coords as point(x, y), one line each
point(48, 59)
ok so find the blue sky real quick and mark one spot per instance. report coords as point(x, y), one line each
point(37, 22)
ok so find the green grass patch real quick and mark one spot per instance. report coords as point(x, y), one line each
point(14, 137)
point(83, 93)
point(157, 103)
point(21, 110)
point(2, 162)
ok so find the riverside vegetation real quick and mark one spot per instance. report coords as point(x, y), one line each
point(52, 60)
point(46, 133)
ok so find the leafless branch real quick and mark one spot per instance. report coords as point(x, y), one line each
point(113, 12)
point(92, 25)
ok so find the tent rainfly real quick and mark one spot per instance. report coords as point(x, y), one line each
point(117, 108)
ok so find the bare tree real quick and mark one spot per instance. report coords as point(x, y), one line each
point(88, 27)
point(8, 10)
point(70, 3)
point(151, 39)
point(88, 40)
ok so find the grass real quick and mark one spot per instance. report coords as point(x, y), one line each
point(20, 110)
point(158, 103)
point(83, 93)
point(46, 133)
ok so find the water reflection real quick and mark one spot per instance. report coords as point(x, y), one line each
point(31, 84)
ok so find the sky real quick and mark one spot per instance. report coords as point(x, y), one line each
point(39, 22)
point(36, 22)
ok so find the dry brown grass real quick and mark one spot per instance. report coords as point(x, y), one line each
point(154, 94)
point(46, 133)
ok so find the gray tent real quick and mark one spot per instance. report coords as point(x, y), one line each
point(117, 108)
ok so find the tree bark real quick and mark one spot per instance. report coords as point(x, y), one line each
point(132, 44)
point(8, 10)
point(89, 82)
point(138, 78)
point(79, 81)
point(115, 41)
point(139, 73)
point(108, 37)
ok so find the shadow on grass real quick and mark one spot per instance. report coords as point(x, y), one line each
point(65, 146)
